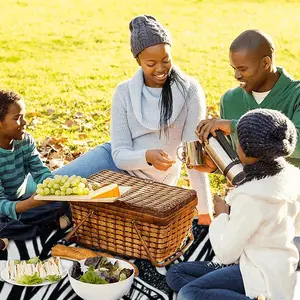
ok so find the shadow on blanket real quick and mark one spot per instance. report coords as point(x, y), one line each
point(150, 284)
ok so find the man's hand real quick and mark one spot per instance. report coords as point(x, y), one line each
point(205, 127)
point(220, 206)
point(208, 164)
point(159, 159)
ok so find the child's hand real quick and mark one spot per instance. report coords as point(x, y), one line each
point(220, 206)
point(29, 204)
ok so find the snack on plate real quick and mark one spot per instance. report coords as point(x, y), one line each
point(74, 253)
point(34, 271)
point(100, 271)
point(75, 185)
point(108, 191)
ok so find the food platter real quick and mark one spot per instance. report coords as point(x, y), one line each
point(64, 266)
point(83, 198)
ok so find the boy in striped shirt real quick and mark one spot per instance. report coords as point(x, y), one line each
point(22, 217)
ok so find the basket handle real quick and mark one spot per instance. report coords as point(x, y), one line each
point(170, 259)
point(73, 231)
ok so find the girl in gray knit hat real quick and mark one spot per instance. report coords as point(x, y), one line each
point(256, 234)
point(152, 114)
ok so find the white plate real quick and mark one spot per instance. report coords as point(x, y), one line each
point(65, 266)
point(86, 198)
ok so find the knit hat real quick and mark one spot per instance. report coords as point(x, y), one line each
point(266, 133)
point(146, 31)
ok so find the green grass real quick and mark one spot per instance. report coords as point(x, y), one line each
point(69, 55)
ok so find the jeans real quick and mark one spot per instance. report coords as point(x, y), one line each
point(33, 222)
point(94, 161)
point(203, 280)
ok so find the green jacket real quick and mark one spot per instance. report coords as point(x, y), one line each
point(284, 96)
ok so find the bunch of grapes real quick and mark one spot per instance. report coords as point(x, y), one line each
point(63, 186)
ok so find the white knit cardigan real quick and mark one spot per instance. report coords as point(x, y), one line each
point(132, 134)
point(259, 232)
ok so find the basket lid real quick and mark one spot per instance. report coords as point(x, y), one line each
point(146, 196)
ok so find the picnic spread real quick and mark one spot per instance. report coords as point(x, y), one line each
point(120, 248)
point(147, 228)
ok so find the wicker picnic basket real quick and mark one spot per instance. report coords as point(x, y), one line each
point(150, 221)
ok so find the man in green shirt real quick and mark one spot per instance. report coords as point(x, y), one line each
point(262, 85)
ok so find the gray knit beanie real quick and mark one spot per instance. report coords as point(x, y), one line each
point(266, 133)
point(146, 31)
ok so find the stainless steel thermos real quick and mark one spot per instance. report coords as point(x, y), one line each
point(226, 159)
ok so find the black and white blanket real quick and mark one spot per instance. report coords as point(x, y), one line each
point(150, 284)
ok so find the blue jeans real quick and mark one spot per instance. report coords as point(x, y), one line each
point(33, 222)
point(94, 161)
point(202, 280)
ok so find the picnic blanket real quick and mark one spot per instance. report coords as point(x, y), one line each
point(150, 284)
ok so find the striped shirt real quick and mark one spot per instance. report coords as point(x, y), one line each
point(15, 165)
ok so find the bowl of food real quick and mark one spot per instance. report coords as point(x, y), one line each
point(109, 277)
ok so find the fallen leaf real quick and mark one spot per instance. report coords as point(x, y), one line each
point(78, 115)
point(70, 123)
point(56, 163)
point(83, 136)
point(50, 111)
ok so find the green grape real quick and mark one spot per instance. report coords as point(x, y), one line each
point(86, 191)
point(52, 191)
point(63, 188)
point(40, 191)
point(74, 183)
point(57, 178)
point(69, 191)
point(79, 191)
point(67, 184)
point(65, 178)
point(72, 177)
point(44, 185)
point(84, 180)
point(46, 191)
point(47, 180)
point(62, 193)
point(56, 186)
point(95, 186)
point(75, 190)
point(50, 185)
point(81, 185)
point(40, 186)
point(57, 193)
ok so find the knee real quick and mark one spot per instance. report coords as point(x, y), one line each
point(189, 292)
point(61, 206)
point(172, 278)
point(182, 295)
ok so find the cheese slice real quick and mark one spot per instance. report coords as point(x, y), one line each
point(108, 191)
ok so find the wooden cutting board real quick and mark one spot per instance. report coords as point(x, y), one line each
point(84, 198)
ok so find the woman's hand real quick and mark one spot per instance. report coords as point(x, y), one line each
point(220, 206)
point(205, 127)
point(159, 159)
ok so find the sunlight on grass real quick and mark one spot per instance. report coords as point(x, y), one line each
point(69, 55)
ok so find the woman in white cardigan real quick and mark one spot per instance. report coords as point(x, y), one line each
point(257, 235)
point(152, 114)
